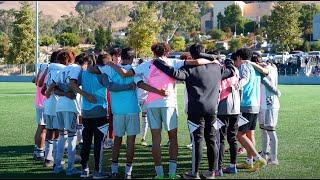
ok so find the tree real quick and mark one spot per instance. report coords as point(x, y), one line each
point(232, 18)
point(205, 7)
point(178, 43)
point(4, 45)
point(7, 17)
point(235, 44)
point(23, 39)
point(46, 24)
point(177, 16)
point(68, 39)
point(283, 27)
point(218, 34)
point(103, 38)
point(143, 29)
point(47, 41)
point(316, 46)
point(307, 11)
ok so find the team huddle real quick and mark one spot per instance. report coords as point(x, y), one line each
point(100, 99)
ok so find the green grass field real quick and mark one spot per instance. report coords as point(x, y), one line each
point(298, 134)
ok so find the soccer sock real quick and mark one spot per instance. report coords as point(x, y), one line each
point(144, 127)
point(249, 161)
point(54, 149)
point(232, 165)
point(128, 169)
point(40, 152)
point(274, 145)
point(60, 149)
point(172, 167)
point(65, 141)
point(114, 167)
point(72, 143)
point(79, 132)
point(265, 141)
point(48, 150)
point(159, 170)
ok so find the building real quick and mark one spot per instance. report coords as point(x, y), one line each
point(316, 27)
point(251, 11)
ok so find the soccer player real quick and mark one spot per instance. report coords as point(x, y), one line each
point(67, 109)
point(228, 113)
point(142, 96)
point(125, 113)
point(268, 116)
point(116, 58)
point(249, 107)
point(39, 137)
point(50, 111)
point(203, 84)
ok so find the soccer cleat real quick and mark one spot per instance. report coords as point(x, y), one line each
point(230, 170)
point(189, 146)
point(128, 176)
point(190, 175)
point(258, 164)
point(270, 162)
point(85, 173)
point(100, 175)
point(264, 155)
point(73, 171)
point(144, 143)
point(57, 170)
point(219, 173)
point(159, 177)
point(244, 166)
point(174, 176)
point(47, 163)
point(208, 174)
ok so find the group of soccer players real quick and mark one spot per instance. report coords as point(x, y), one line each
point(88, 97)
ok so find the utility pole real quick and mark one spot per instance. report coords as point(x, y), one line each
point(37, 36)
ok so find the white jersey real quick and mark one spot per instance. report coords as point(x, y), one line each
point(268, 99)
point(64, 104)
point(50, 103)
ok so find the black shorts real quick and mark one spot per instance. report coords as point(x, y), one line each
point(251, 125)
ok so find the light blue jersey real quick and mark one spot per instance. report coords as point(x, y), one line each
point(250, 84)
point(123, 102)
point(91, 85)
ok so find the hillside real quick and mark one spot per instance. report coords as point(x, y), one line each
point(56, 9)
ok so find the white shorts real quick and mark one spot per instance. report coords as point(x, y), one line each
point(51, 122)
point(268, 119)
point(166, 116)
point(126, 124)
point(67, 121)
point(40, 117)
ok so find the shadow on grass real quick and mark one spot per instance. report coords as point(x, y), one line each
point(17, 162)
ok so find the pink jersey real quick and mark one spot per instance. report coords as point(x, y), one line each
point(39, 98)
point(226, 85)
point(159, 80)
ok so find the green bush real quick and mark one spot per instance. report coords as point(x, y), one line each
point(68, 39)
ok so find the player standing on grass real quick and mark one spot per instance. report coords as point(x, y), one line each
point(268, 116)
point(39, 137)
point(67, 109)
point(249, 106)
point(50, 110)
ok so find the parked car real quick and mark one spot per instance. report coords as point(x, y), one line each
point(267, 56)
point(281, 57)
point(314, 53)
